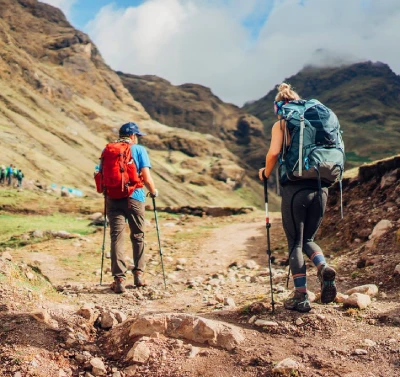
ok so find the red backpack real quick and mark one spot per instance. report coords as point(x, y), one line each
point(118, 176)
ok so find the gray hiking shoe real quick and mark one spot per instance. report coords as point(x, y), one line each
point(118, 286)
point(298, 301)
point(326, 276)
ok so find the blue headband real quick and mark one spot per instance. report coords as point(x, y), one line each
point(278, 107)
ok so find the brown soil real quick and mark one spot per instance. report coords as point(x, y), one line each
point(323, 343)
point(206, 261)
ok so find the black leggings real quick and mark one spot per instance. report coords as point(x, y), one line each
point(302, 208)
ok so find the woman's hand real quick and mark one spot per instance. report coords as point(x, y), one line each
point(261, 174)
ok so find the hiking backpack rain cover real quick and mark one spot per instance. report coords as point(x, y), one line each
point(316, 148)
point(118, 176)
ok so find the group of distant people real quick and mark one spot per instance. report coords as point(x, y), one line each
point(11, 176)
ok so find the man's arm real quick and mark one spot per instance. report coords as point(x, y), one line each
point(148, 181)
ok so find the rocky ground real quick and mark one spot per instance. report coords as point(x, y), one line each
point(215, 316)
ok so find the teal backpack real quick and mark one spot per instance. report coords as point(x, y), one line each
point(316, 148)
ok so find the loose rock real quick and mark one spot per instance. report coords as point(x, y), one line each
point(367, 289)
point(139, 353)
point(287, 366)
point(360, 351)
point(42, 316)
point(368, 343)
point(381, 228)
point(130, 371)
point(358, 300)
point(108, 320)
point(98, 367)
point(263, 323)
point(86, 312)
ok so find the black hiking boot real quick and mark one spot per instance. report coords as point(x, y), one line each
point(299, 302)
point(118, 286)
point(326, 276)
point(138, 278)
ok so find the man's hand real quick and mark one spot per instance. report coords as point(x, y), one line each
point(261, 174)
point(153, 194)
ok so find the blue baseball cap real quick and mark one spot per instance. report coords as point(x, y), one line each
point(130, 129)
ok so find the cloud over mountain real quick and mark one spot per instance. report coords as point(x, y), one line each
point(241, 49)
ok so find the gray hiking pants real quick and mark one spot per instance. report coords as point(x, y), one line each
point(303, 207)
point(117, 211)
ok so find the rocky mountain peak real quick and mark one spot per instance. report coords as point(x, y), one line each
point(196, 108)
point(365, 96)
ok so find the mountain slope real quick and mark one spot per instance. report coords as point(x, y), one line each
point(196, 108)
point(57, 95)
point(365, 97)
point(60, 103)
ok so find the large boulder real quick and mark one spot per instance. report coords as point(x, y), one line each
point(192, 328)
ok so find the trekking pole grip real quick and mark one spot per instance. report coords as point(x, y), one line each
point(265, 181)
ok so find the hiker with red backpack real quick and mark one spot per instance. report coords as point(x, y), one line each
point(307, 142)
point(123, 172)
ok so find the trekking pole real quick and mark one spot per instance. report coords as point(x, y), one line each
point(159, 242)
point(288, 278)
point(268, 226)
point(104, 239)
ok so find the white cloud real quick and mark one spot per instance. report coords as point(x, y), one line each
point(64, 5)
point(205, 42)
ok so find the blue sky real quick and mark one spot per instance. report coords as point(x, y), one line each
point(240, 49)
point(83, 11)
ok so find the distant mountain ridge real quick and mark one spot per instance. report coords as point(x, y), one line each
point(60, 104)
point(195, 108)
point(364, 96)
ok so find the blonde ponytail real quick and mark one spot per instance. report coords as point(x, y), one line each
point(286, 93)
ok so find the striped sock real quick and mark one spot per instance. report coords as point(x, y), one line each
point(318, 259)
point(300, 282)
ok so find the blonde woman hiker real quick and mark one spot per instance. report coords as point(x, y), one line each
point(303, 206)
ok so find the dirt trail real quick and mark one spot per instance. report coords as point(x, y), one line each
point(204, 271)
point(203, 259)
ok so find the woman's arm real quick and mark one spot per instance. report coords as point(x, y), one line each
point(275, 148)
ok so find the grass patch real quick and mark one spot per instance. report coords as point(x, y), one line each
point(12, 225)
point(355, 274)
point(356, 159)
point(198, 232)
point(43, 203)
point(39, 285)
